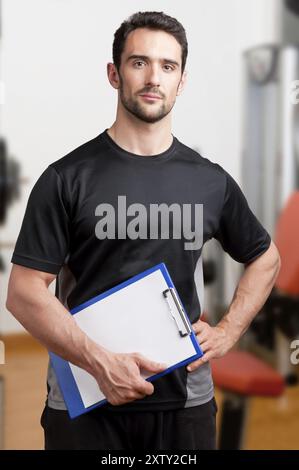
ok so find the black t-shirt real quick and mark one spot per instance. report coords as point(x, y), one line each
point(91, 218)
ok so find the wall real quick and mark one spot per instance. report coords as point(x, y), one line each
point(54, 55)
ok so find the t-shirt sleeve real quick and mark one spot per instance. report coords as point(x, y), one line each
point(240, 233)
point(43, 240)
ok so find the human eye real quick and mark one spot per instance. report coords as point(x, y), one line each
point(138, 63)
point(168, 67)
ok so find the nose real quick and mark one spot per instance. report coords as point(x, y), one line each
point(153, 76)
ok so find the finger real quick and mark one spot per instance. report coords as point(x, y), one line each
point(138, 395)
point(199, 326)
point(194, 365)
point(205, 347)
point(199, 362)
point(150, 366)
point(202, 338)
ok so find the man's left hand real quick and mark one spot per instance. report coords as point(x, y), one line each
point(214, 342)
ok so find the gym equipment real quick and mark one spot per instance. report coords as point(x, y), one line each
point(270, 169)
point(9, 191)
point(9, 180)
point(270, 161)
point(278, 321)
point(240, 375)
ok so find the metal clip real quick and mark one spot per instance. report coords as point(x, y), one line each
point(177, 311)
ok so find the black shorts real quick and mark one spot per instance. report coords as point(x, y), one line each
point(185, 428)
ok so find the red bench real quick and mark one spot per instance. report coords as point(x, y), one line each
point(240, 375)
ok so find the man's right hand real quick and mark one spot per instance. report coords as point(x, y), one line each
point(120, 379)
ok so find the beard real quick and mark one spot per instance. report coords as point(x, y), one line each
point(133, 106)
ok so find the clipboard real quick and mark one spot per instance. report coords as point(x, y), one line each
point(142, 314)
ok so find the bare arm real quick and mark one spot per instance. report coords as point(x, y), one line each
point(250, 295)
point(44, 316)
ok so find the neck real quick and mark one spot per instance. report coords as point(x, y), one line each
point(142, 138)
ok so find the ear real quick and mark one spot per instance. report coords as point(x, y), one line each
point(113, 75)
point(182, 83)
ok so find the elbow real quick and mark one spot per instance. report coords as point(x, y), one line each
point(276, 260)
point(17, 291)
point(10, 301)
point(8, 304)
point(278, 265)
point(16, 303)
point(13, 297)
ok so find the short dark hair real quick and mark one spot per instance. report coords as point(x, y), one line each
point(156, 20)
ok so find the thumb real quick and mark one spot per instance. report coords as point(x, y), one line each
point(146, 387)
point(147, 364)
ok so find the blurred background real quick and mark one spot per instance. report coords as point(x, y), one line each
point(241, 110)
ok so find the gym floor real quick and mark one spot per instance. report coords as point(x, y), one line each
point(272, 422)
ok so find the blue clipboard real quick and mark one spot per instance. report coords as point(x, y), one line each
point(64, 374)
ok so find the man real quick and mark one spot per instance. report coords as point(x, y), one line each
point(78, 229)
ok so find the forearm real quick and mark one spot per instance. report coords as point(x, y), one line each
point(44, 316)
point(251, 293)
